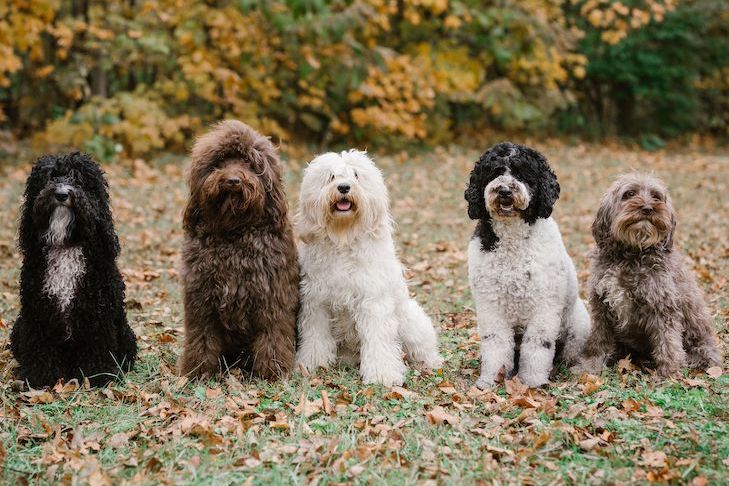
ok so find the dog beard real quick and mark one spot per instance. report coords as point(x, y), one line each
point(342, 211)
point(640, 232)
point(59, 226)
point(227, 206)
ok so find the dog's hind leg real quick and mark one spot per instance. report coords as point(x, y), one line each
point(699, 340)
point(576, 330)
point(418, 335)
point(126, 352)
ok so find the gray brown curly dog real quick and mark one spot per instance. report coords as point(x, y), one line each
point(644, 301)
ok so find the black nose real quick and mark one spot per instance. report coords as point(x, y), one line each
point(646, 210)
point(61, 196)
point(505, 192)
point(233, 181)
point(343, 188)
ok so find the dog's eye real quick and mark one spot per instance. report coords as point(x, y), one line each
point(331, 178)
point(656, 195)
point(628, 195)
point(356, 176)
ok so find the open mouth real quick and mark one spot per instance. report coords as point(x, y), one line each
point(506, 206)
point(343, 205)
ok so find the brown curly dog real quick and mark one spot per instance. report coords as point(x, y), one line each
point(240, 268)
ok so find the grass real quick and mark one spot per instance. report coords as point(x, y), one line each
point(328, 428)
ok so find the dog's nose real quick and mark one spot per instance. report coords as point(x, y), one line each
point(61, 196)
point(343, 188)
point(646, 210)
point(504, 192)
point(233, 181)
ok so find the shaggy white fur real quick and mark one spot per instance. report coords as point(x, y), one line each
point(66, 266)
point(355, 301)
point(528, 285)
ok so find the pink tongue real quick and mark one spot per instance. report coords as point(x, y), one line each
point(344, 205)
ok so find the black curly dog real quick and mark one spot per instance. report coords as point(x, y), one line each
point(72, 322)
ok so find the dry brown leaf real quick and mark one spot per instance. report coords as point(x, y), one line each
point(326, 404)
point(37, 396)
point(589, 444)
point(400, 393)
point(714, 371)
point(653, 459)
point(439, 416)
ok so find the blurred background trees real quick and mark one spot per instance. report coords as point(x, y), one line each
point(135, 77)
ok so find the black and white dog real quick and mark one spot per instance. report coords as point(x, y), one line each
point(523, 282)
point(72, 322)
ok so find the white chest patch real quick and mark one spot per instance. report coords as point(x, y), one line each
point(66, 267)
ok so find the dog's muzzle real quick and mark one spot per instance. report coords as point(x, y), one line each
point(505, 201)
point(62, 195)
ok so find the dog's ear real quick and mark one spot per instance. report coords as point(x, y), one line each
point(602, 224)
point(667, 243)
point(276, 207)
point(476, 184)
point(96, 206)
point(547, 188)
point(28, 236)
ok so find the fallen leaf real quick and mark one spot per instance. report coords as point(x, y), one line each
point(439, 416)
point(400, 393)
point(714, 371)
point(653, 459)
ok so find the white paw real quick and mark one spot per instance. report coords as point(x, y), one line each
point(533, 380)
point(384, 378)
point(311, 359)
point(484, 383)
point(433, 362)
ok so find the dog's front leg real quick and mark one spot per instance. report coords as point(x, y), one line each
point(497, 348)
point(538, 348)
point(317, 345)
point(203, 344)
point(600, 344)
point(666, 337)
point(380, 352)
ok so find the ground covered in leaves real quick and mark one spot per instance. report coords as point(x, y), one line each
point(328, 428)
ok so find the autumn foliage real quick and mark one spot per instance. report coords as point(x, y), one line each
point(140, 76)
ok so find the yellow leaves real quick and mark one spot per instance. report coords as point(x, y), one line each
point(44, 71)
point(616, 19)
point(401, 94)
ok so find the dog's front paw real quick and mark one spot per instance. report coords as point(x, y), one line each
point(311, 363)
point(592, 366)
point(534, 380)
point(393, 375)
point(384, 379)
point(313, 357)
point(484, 383)
point(434, 363)
point(668, 371)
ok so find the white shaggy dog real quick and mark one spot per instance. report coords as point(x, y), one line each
point(354, 299)
point(522, 279)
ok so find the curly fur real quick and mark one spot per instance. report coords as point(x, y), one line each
point(355, 301)
point(72, 322)
point(522, 279)
point(644, 301)
point(240, 269)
